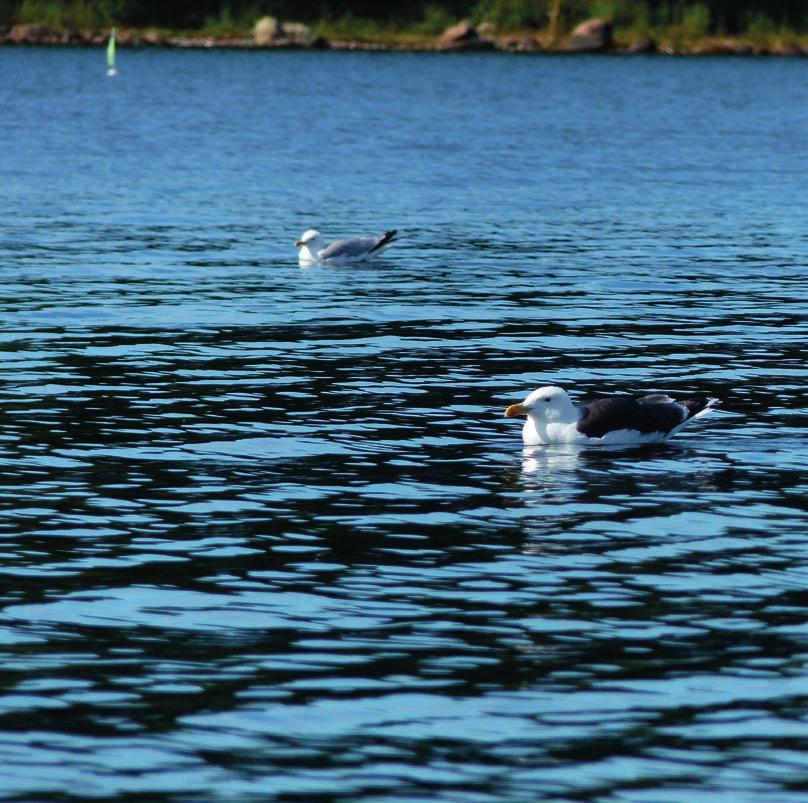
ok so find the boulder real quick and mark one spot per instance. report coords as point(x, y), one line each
point(591, 36)
point(266, 30)
point(642, 44)
point(128, 37)
point(522, 44)
point(464, 31)
point(32, 33)
point(153, 37)
point(464, 36)
point(789, 49)
point(71, 38)
point(722, 47)
point(319, 43)
point(298, 34)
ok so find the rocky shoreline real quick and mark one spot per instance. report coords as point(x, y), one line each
point(592, 36)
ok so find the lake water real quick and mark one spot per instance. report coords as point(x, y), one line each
point(265, 531)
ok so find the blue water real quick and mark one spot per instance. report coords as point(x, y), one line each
point(266, 534)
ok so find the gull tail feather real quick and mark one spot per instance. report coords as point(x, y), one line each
point(696, 408)
point(386, 239)
point(709, 406)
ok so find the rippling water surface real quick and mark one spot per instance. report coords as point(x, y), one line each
point(265, 532)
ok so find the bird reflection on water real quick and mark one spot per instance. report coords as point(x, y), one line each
point(552, 462)
point(567, 489)
point(553, 465)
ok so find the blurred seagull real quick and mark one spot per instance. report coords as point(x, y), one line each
point(552, 417)
point(313, 248)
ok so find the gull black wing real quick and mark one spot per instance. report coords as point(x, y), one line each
point(623, 412)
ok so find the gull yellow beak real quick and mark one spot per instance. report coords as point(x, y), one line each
point(515, 410)
point(299, 243)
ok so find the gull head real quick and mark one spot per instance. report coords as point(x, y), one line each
point(545, 404)
point(310, 238)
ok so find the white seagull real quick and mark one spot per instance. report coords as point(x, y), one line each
point(552, 417)
point(313, 248)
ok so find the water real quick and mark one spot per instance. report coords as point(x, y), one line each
point(265, 532)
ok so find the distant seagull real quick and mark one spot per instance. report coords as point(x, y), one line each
point(354, 249)
point(553, 418)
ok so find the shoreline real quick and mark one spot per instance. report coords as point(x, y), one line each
point(34, 35)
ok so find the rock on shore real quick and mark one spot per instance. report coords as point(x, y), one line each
point(266, 30)
point(723, 47)
point(270, 32)
point(642, 44)
point(464, 36)
point(591, 36)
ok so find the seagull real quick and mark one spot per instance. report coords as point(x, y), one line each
point(552, 417)
point(354, 249)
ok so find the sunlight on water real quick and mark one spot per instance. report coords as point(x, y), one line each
point(266, 530)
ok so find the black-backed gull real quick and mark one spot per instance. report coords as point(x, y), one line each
point(313, 248)
point(552, 417)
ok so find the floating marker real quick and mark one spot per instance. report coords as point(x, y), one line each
point(111, 55)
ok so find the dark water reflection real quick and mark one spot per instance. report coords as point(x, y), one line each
point(265, 532)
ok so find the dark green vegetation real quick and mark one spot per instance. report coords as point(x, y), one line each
point(680, 20)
